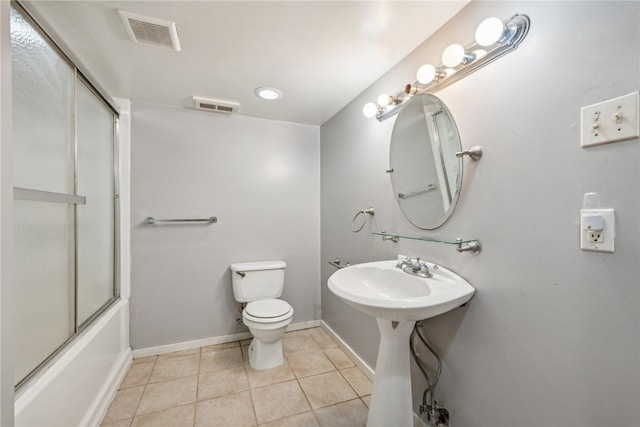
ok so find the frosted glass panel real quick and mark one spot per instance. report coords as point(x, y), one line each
point(44, 269)
point(95, 219)
point(63, 143)
point(42, 111)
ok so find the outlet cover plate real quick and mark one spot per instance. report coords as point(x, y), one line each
point(615, 120)
point(608, 231)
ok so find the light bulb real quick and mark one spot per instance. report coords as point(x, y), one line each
point(489, 31)
point(384, 100)
point(426, 74)
point(453, 55)
point(370, 110)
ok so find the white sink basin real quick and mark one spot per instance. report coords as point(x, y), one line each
point(386, 292)
point(397, 299)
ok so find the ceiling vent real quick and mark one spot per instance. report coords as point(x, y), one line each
point(216, 105)
point(152, 31)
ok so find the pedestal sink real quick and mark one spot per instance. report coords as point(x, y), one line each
point(397, 299)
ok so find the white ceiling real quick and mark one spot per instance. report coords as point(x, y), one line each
point(321, 54)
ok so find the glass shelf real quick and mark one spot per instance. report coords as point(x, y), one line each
point(470, 245)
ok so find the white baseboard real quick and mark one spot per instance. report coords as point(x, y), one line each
point(303, 325)
point(203, 342)
point(364, 367)
point(188, 345)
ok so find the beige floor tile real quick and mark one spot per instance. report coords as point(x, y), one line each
point(222, 346)
point(180, 353)
point(263, 377)
point(222, 388)
point(299, 344)
point(245, 354)
point(312, 363)
point(246, 342)
point(220, 359)
point(181, 416)
point(339, 358)
point(327, 389)
point(168, 394)
point(175, 367)
point(321, 338)
point(138, 374)
point(232, 410)
point(366, 400)
point(306, 419)
point(359, 381)
point(121, 423)
point(347, 414)
point(144, 360)
point(279, 401)
point(222, 382)
point(124, 404)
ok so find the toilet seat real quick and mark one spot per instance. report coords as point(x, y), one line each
point(268, 311)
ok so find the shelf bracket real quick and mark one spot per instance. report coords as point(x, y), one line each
point(472, 246)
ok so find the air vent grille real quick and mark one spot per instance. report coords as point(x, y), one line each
point(151, 31)
point(215, 105)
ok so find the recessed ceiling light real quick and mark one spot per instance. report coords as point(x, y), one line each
point(268, 93)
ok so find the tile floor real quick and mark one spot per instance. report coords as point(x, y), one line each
point(215, 386)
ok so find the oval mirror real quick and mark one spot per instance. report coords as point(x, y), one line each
point(425, 173)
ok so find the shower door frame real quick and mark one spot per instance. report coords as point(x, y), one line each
point(44, 196)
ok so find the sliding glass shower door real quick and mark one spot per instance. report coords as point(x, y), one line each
point(64, 197)
point(95, 219)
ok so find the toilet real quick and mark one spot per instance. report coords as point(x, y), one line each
point(259, 285)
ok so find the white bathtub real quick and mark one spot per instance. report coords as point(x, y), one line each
point(77, 389)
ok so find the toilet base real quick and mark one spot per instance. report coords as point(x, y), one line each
point(265, 355)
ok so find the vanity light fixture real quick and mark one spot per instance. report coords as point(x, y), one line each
point(493, 39)
point(268, 93)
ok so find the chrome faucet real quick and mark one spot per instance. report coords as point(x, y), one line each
point(417, 267)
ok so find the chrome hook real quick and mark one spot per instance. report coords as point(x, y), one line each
point(474, 152)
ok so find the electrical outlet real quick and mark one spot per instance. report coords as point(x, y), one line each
point(595, 236)
point(597, 230)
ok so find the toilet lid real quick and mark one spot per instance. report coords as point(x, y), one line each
point(267, 308)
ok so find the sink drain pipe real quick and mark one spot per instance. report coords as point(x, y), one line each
point(436, 414)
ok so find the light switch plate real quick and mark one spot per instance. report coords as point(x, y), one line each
point(609, 121)
point(608, 230)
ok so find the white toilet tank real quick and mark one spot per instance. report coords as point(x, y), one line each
point(257, 280)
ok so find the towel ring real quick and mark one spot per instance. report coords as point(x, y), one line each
point(369, 211)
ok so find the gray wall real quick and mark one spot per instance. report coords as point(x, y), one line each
point(552, 336)
point(261, 178)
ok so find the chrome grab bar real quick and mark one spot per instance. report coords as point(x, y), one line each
point(152, 220)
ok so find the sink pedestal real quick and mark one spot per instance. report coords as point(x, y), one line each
point(391, 400)
point(383, 290)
